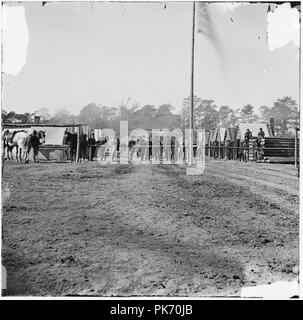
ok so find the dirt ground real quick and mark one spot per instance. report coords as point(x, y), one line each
point(148, 230)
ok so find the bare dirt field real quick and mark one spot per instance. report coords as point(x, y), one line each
point(148, 230)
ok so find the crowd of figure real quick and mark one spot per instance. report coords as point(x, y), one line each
point(141, 148)
point(240, 150)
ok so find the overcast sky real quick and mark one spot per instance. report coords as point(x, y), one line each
point(106, 52)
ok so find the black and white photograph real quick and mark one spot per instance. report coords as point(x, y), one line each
point(150, 150)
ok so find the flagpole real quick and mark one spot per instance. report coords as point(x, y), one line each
point(192, 88)
point(298, 126)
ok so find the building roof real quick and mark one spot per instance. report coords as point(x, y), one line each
point(43, 113)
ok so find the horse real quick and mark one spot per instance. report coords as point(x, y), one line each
point(18, 140)
point(8, 144)
point(24, 143)
point(6, 140)
point(32, 142)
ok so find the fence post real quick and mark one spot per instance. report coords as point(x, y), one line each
point(296, 149)
point(78, 144)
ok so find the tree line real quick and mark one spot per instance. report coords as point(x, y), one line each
point(207, 114)
point(285, 112)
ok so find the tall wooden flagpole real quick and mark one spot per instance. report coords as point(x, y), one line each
point(192, 88)
point(297, 147)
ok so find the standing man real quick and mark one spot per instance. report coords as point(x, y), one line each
point(150, 147)
point(32, 142)
point(173, 148)
point(92, 146)
point(248, 135)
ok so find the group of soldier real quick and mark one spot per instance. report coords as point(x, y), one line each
point(159, 148)
point(258, 145)
point(143, 148)
point(240, 149)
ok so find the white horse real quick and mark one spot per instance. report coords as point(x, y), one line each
point(19, 141)
point(10, 142)
point(23, 143)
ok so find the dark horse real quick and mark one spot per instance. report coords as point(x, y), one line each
point(71, 139)
point(32, 142)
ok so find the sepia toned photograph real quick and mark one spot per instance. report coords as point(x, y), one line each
point(150, 149)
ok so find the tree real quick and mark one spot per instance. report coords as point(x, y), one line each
point(233, 119)
point(206, 114)
point(25, 117)
point(91, 115)
point(98, 117)
point(247, 114)
point(185, 111)
point(165, 109)
point(11, 116)
point(285, 113)
point(110, 117)
point(4, 115)
point(227, 117)
point(265, 113)
point(63, 116)
point(147, 110)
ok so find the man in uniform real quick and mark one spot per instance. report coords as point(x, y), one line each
point(32, 142)
point(261, 133)
point(248, 135)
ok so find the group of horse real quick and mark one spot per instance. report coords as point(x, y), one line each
point(23, 142)
point(17, 144)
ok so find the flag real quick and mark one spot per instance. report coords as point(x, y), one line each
point(205, 24)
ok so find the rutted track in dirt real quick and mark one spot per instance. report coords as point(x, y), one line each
point(144, 230)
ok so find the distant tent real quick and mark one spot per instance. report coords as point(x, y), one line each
point(254, 128)
point(213, 135)
point(221, 134)
point(231, 134)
